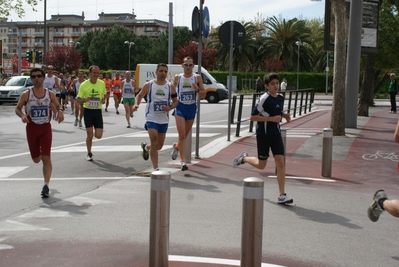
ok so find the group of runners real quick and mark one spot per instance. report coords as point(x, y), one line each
point(87, 97)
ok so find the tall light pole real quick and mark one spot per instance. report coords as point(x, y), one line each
point(74, 43)
point(298, 43)
point(130, 45)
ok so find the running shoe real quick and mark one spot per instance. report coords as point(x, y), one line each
point(72, 113)
point(174, 151)
point(145, 152)
point(117, 112)
point(80, 123)
point(238, 160)
point(131, 115)
point(76, 122)
point(89, 157)
point(284, 199)
point(106, 110)
point(128, 125)
point(45, 191)
point(184, 166)
point(375, 210)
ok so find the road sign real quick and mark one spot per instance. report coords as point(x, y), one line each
point(195, 27)
point(206, 23)
point(238, 33)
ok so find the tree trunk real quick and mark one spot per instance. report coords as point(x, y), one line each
point(367, 92)
point(338, 105)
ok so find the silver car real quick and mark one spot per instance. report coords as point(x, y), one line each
point(14, 87)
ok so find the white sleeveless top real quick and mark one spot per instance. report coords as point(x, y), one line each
point(185, 91)
point(77, 85)
point(38, 109)
point(128, 89)
point(49, 82)
point(158, 97)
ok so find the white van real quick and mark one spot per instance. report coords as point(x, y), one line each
point(215, 91)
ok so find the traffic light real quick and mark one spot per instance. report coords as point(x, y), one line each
point(39, 56)
point(29, 56)
point(331, 58)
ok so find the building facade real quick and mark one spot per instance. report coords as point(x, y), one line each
point(67, 29)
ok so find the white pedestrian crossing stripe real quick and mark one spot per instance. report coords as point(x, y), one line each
point(8, 171)
point(9, 225)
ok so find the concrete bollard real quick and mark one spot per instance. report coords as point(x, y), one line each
point(159, 219)
point(252, 223)
point(326, 162)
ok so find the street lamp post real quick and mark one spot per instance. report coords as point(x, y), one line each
point(130, 45)
point(298, 43)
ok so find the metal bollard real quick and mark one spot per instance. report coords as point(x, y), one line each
point(159, 219)
point(252, 223)
point(326, 162)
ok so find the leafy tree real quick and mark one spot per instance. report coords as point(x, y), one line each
point(83, 45)
point(6, 6)
point(64, 58)
point(191, 49)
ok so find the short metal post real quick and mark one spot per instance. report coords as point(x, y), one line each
point(233, 109)
point(326, 162)
point(159, 219)
point(252, 223)
point(240, 105)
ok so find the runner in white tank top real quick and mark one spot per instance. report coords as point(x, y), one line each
point(159, 92)
point(128, 87)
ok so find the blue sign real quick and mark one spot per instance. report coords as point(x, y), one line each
point(206, 24)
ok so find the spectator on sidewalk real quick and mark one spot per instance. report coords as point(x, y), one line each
point(283, 85)
point(380, 199)
point(268, 113)
point(259, 85)
point(393, 90)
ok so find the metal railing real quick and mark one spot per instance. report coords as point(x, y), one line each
point(298, 102)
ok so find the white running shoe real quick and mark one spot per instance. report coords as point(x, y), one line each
point(76, 122)
point(184, 166)
point(284, 199)
point(80, 123)
point(174, 151)
point(89, 157)
point(238, 160)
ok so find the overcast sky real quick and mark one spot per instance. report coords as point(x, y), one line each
point(220, 10)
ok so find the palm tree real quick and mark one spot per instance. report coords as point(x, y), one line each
point(243, 55)
point(282, 36)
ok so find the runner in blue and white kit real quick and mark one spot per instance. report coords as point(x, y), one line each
point(159, 95)
point(188, 86)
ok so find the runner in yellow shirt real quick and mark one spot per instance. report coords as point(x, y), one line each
point(92, 95)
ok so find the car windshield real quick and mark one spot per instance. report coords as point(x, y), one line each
point(16, 81)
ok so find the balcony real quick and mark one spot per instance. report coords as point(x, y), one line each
point(36, 34)
point(76, 34)
point(58, 33)
point(39, 44)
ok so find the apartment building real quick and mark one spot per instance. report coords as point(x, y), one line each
point(65, 29)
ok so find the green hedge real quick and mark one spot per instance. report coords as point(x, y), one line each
point(306, 80)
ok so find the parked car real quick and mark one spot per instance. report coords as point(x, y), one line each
point(13, 88)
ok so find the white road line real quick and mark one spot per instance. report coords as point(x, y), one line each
point(8, 171)
point(213, 261)
point(173, 135)
point(10, 225)
point(306, 178)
